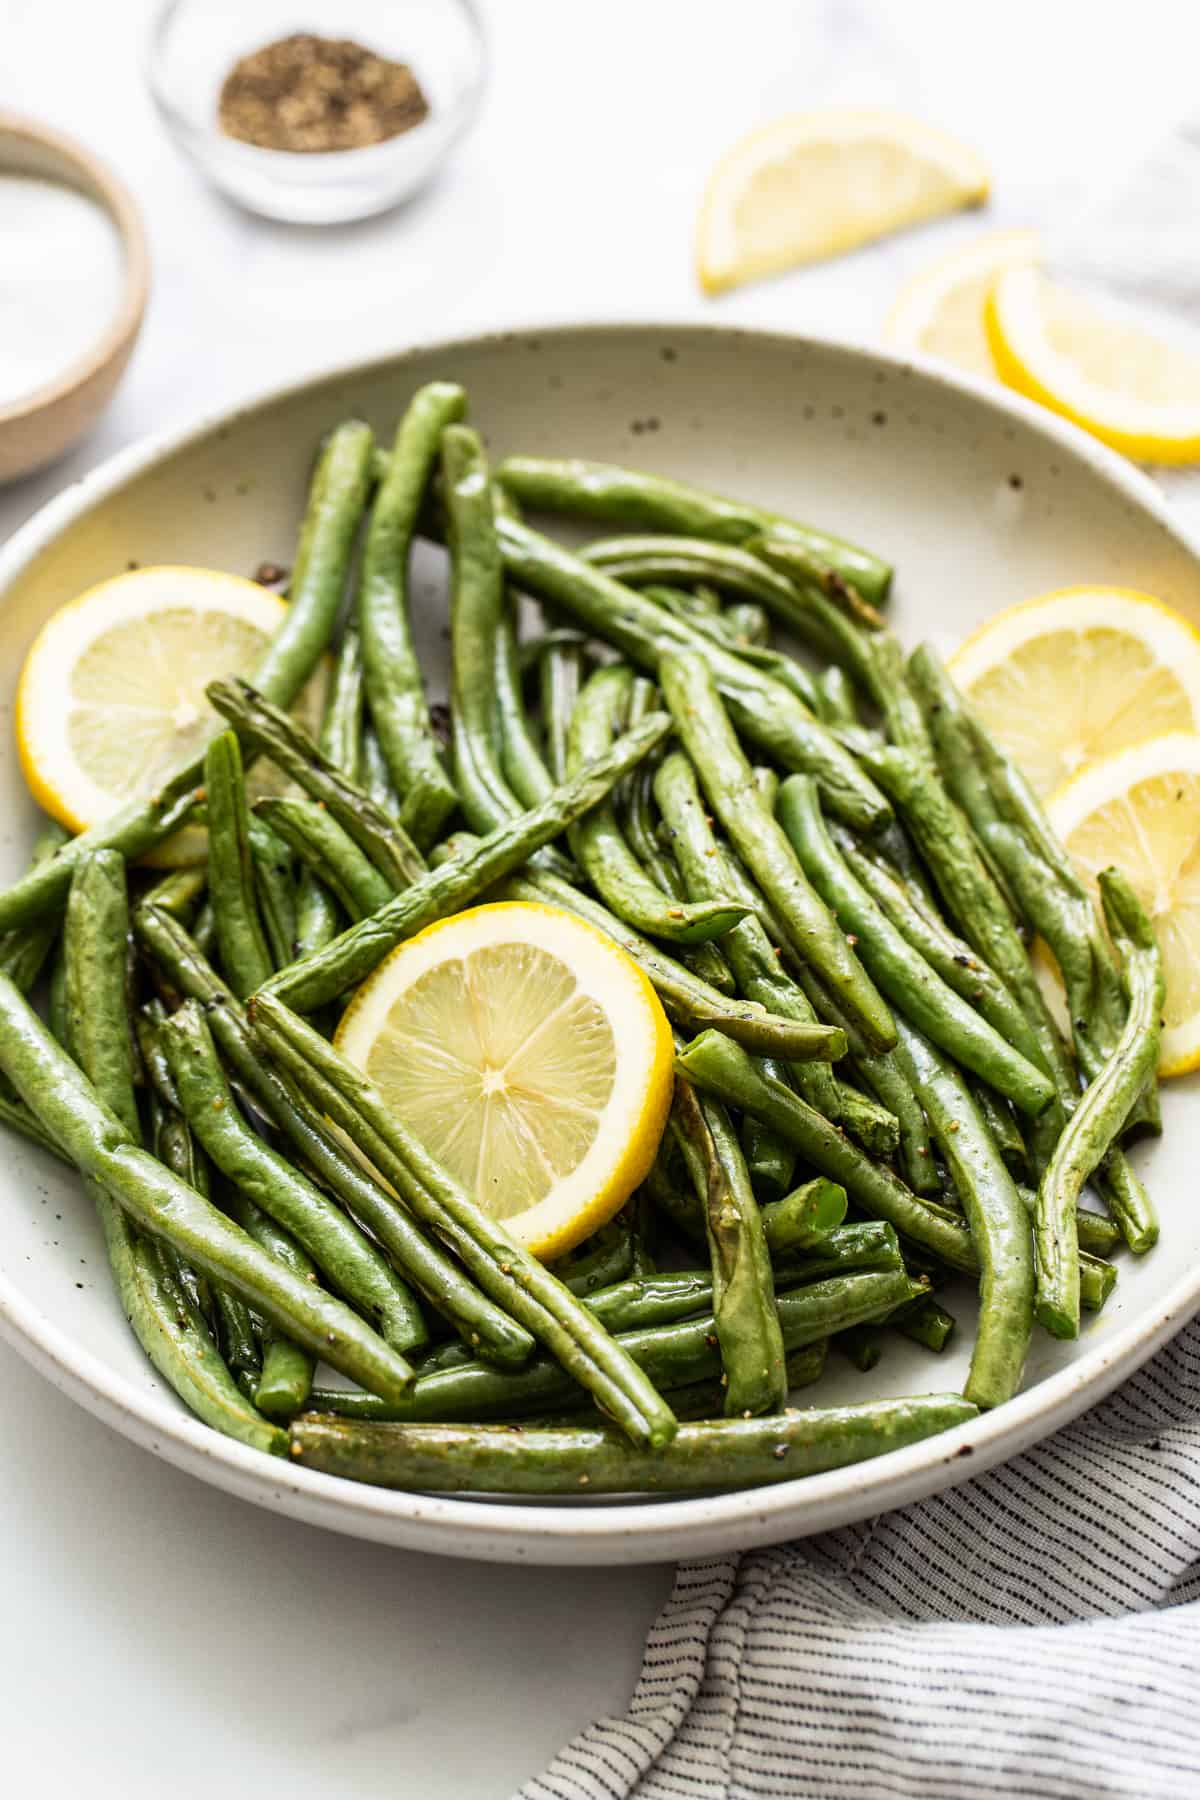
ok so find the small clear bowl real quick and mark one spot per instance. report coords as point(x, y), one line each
point(195, 43)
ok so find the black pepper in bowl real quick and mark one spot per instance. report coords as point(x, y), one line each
point(308, 93)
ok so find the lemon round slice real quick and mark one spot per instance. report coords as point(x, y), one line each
point(816, 184)
point(1133, 390)
point(1077, 674)
point(529, 1055)
point(1140, 809)
point(940, 310)
point(111, 698)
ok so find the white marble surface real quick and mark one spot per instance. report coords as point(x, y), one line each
point(160, 1637)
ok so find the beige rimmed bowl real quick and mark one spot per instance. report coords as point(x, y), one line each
point(980, 498)
point(42, 424)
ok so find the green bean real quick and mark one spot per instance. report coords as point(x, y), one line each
point(476, 602)
point(524, 767)
point(395, 688)
point(904, 976)
point(635, 1305)
point(596, 841)
point(711, 875)
point(204, 930)
point(309, 983)
point(244, 952)
point(999, 1226)
point(1101, 1114)
point(375, 775)
point(749, 623)
point(96, 1141)
point(747, 1322)
point(56, 1000)
point(235, 1330)
point(349, 1261)
point(503, 1268)
point(720, 1067)
point(550, 637)
point(765, 710)
point(770, 1163)
point(948, 955)
point(1049, 892)
point(804, 610)
point(1051, 895)
point(290, 748)
point(477, 1319)
point(712, 623)
point(835, 704)
point(603, 491)
point(972, 900)
point(606, 1258)
point(285, 1384)
point(871, 1125)
point(574, 1459)
point(287, 1369)
point(673, 1198)
point(1097, 1235)
point(1004, 1130)
point(560, 677)
point(336, 501)
point(273, 885)
point(98, 1033)
point(671, 1356)
point(803, 1219)
point(703, 1400)
point(728, 781)
point(880, 1071)
point(175, 1147)
point(23, 952)
point(179, 892)
point(341, 743)
point(329, 853)
point(866, 1244)
point(689, 1002)
point(174, 1338)
point(926, 1322)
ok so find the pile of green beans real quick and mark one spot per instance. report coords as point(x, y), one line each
point(827, 870)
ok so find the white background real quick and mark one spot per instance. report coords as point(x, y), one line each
point(156, 1637)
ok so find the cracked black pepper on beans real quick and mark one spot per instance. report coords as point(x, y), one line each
point(308, 93)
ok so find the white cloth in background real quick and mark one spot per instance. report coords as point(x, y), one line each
point(1033, 1633)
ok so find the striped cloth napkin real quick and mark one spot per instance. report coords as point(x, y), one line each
point(1033, 1633)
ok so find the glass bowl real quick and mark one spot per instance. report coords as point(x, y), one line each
point(195, 43)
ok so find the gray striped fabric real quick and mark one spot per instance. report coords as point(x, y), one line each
point(1036, 1632)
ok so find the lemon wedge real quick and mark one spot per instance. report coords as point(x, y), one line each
point(111, 697)
point(940, 311)
point(1135, 391)
point(1140, 809)
point(529, 1055)
point(1075, 675)
point(815, 184)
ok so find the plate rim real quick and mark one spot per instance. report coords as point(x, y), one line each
point(638, 1530)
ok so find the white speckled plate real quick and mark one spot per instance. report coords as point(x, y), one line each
point(979, 499)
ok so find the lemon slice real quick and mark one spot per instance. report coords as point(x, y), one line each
point(1140, 809)
point(940, 310)
point(1134, 391)
point(816, 184)
point(1077, 674)
point(111, 698)
point(529, 1055)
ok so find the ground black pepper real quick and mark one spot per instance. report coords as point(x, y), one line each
point(311, 93)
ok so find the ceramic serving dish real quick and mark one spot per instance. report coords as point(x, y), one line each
point(980, 499)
